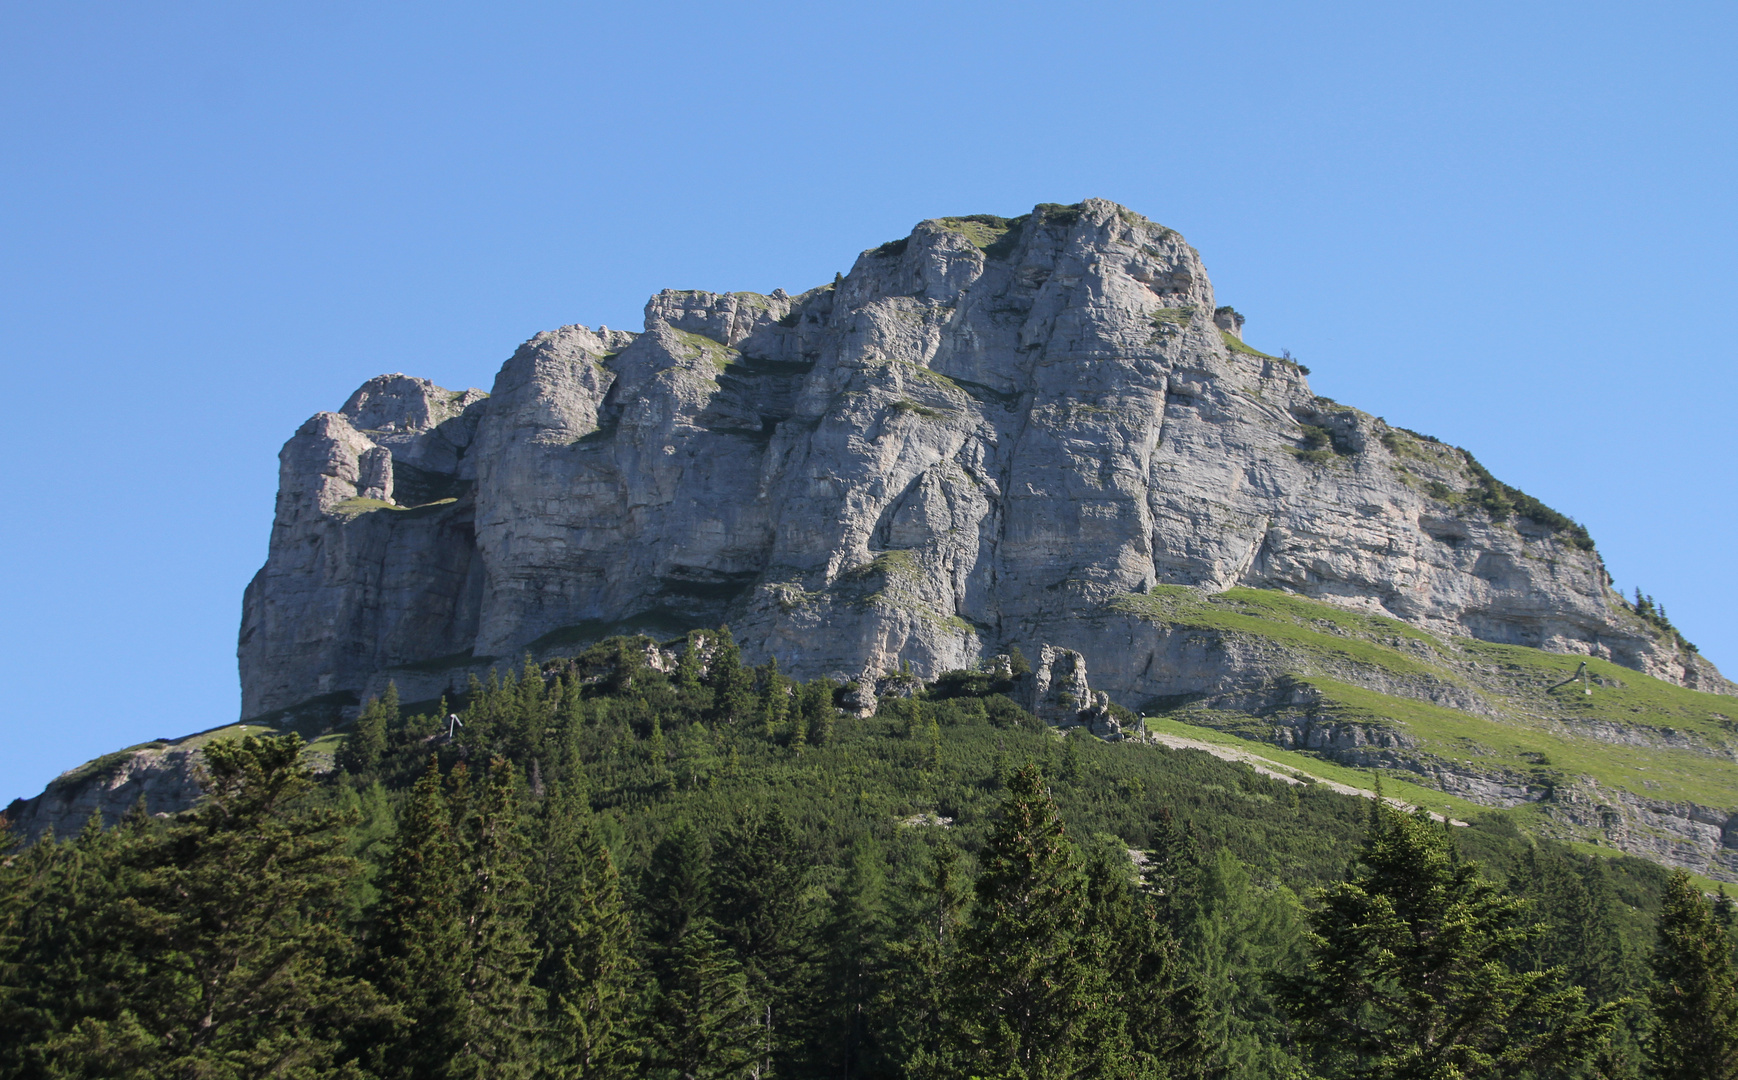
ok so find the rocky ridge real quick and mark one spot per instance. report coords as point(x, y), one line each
point(1040, 433)
point(988, 434)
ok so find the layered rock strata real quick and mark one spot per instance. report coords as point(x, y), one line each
point(990, 434)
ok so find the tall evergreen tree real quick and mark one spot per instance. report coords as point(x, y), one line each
point(58, 968)
point(688, 665)
point(587, 971)
point(361, 752)
point(225, 946)
point(858, 931)
point(761, 914)
point(1235, 934)
point(677, 892)
point(423, 947)
point(700, 1019)
point(1412, 971)
point(1154, 1027)
point(732, 684)
point(818, 711)
point(774, 698)
point(370, 843)
point(702, 1024)
point(915, 1009)
point(1031, 996)
point(501, 1020)
point(1695, 1002)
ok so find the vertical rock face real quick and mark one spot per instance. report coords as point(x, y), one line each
point(990, 433)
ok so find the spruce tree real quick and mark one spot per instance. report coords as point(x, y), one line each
point(1694, 1034)
point(1154, 1027)
point(370, 843)
point(700, 1020)
point(818, 711)
point(1234, 933)
point(423, 946)
point(732, 684)
point(702, 1024)
point(677, 892)
point(774, 698)
point(60, 962)
point(587, 971)
point(915, 1008)
point(697, 756)
point(858, 931)
point(224, 947)
point(503, 1005)
point(658, 758)
point(361, 752)
point(688, 665)
point(1030, 994)
point(1413, 971)
point(760, 912)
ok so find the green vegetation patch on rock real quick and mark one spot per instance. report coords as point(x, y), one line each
point(1307, 627)
point(716, 352)
point(1236, 345)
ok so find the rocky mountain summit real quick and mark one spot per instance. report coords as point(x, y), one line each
point(1033, 437)
point(990, 434)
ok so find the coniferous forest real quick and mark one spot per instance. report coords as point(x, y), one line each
point(611, 870)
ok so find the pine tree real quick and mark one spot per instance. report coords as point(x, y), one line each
point(1412, 970)
point(915, 1009)
point(688, 666)
point(224, 948)
point(760, 913)
point(60, 964)
point(587, 971)
point(658, 756)
point(700, 1021)
point(424, 950)
point(1695, 1002)
point(1235, 933)
point(732, 684)
point(677, 891)
point(503, 1004)
point(858, 931)
point(1029, 992)
point(818, 711)
point(774, 698)
point(697, 757)
point(361, 752)
point(370, 843)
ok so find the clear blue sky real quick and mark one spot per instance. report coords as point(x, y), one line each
point(1510, 226)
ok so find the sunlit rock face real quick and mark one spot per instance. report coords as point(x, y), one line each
point(990, 434)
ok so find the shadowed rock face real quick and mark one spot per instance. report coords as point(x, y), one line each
point(986, 435)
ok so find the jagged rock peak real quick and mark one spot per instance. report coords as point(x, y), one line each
point(993, 432)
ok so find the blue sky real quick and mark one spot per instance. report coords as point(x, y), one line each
point(1509, 226)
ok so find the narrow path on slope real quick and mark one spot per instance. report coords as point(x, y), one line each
point(1286, 773)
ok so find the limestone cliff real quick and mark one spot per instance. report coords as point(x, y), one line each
point(991, 433)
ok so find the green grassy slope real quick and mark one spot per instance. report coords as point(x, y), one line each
point(1614, 740)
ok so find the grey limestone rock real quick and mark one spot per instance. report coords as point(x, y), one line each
point(986, 435)
point(164, 776)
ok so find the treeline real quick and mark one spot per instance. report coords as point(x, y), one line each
point(615, 870)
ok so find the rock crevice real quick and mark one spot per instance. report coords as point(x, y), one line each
point(977, 439)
